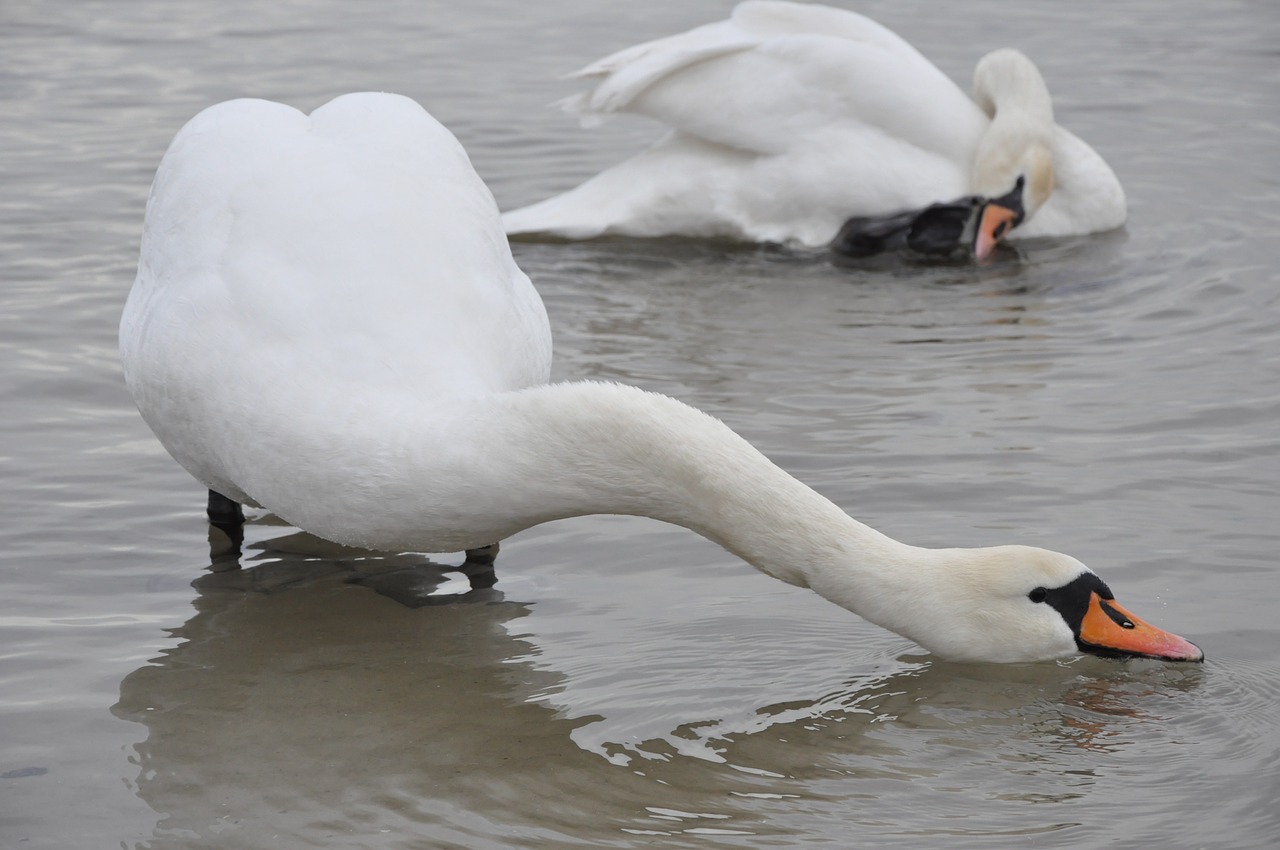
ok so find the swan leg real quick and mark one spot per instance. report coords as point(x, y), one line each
point(226, 532)
point(223, 511)
point(479, 567)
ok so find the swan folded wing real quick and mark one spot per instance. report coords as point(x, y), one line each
point(777, 73)
point(344, 216)
point(621, 76)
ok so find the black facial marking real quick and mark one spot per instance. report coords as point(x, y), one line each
point(1013, 201)
point(1072, 601)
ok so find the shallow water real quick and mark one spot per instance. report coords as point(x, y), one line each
point(630, 684)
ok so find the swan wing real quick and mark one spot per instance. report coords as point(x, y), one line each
point(331, 240)
point(303, 278)
point(776, 72)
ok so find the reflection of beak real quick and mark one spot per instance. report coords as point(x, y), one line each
point(1109, 630)
point(996, 221)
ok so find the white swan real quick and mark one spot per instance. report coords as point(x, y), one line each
point(787, 119)
point(327, 322)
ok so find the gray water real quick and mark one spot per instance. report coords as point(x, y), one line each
point(1115, 397)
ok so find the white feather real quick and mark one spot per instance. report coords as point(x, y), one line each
point(327, 322)
point(788, 119)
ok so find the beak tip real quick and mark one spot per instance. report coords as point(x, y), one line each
point(1176, 648)
point(1180, 650)
point(1193, 654)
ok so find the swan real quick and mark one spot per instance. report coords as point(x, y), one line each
point(788, 119)
point(327, 322)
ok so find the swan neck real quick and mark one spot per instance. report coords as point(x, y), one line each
point(1019, 140)
point(585, 448)
point(1007, 81)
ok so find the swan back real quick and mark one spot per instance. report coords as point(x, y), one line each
point(292, 266)
point(331, 241)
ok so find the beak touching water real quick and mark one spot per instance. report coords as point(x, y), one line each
point(1110, 631)
point(998, 217)
point(995, 221)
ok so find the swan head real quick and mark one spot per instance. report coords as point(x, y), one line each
point(1019, 604)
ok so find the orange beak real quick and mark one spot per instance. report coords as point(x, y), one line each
point(996, 221)
point(1108, 629)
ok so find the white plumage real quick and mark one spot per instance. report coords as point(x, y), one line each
point(787, 119)
point(327, 322)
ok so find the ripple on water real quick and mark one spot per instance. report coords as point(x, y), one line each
point(1113, 396)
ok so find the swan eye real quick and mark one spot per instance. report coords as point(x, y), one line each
point(1038, 595)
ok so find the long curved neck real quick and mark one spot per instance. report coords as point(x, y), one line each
point(477, 470)
point(1007, 81)
point(573, 449)
point(1070, 189)
point(1009, 88)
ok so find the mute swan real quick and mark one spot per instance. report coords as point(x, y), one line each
point(787, 119)
point(327, 322)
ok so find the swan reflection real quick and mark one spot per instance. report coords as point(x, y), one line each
point(315, 694)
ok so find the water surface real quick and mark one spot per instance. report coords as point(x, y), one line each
point(631, 684)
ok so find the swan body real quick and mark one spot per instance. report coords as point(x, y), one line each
point(787, 119)
point(327, 322)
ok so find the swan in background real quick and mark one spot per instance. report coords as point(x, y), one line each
point(327, 322)
point(788, 119)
